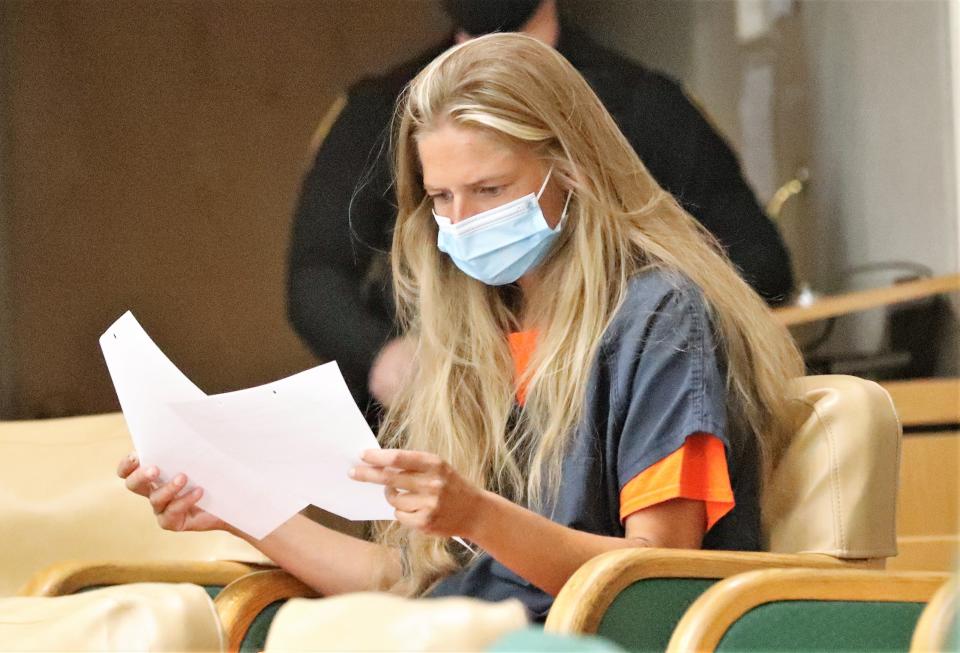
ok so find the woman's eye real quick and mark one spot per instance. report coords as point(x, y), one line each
point(491, 191)
point(439, 198)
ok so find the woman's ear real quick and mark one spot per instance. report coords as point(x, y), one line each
point(570, 179)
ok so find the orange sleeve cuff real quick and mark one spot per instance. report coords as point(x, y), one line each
point(697, 471)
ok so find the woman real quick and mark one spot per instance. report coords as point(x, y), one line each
point(591, 372)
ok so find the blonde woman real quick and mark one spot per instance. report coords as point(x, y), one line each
point(591, 373)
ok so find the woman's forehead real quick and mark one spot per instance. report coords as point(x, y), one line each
point(449, 134)
point(453, 152)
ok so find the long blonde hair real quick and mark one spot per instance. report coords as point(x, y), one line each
point(620, 222)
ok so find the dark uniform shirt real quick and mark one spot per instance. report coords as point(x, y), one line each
point(339, 299)
point(657, 380)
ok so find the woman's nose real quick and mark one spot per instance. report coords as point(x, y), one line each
point(461, 209)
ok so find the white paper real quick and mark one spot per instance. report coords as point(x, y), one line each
point(305, 433)
point(262, 454)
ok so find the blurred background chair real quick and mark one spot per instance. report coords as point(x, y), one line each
point(137, 617)
point(938, 628)
point(377, 621)
point(70, 524)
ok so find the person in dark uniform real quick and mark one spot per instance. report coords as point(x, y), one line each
point(339, 300)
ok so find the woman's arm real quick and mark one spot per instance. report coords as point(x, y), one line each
point(430, 496)
point(547, 554)
point(326, 560)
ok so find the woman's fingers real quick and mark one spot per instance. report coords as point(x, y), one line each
point(397, 478)
point(413, 461)
point(178, 511)
point(141, 480)
point(173, 509)
point(410, 519)
point(127, 464)
point(162, 496)
point(409, 501)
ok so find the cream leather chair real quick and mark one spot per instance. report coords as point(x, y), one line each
point(68, 522)
point(830, 504)
point(137, 617)
point(343, 623)
point(835, 490)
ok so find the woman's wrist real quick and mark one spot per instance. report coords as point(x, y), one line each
point(483, 521)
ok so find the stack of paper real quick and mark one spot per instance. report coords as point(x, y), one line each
point(261, 454)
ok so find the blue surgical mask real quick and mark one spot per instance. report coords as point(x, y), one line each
point(500, 245)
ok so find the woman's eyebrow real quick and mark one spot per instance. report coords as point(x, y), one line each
point(484, 181)
point(492, 180)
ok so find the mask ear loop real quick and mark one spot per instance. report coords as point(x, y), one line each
point(563, 216)
point(543, 186)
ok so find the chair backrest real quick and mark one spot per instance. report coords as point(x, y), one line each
point(807, 610)
point(834, 491)
point(60, 499)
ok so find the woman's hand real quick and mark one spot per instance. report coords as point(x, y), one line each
point(428, 493)
point(175, 510)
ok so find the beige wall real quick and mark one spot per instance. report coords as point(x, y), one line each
point(861, 97)
point(150, 155)
point(7, 375)
point(882, 154)
point(154, 154)
point(697, 43)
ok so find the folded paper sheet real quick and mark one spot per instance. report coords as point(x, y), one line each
point(260, 454)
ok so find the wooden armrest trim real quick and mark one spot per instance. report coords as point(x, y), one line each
point(862, 300)
point(242, 600)
point(70, 576)
point(706, 621)
point(586, 596)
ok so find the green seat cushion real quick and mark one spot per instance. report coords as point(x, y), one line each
point(213, 590)
point(534, 640)
point(799, 626)
point(642, 616)
point(256, 636)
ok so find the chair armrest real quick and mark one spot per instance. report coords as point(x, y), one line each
point(71, 576)
point(243, 600)
point(586, 596)
point(710, 617)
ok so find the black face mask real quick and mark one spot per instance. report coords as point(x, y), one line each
point(478, 17)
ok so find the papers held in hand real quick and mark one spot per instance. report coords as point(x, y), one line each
point(260, 454)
